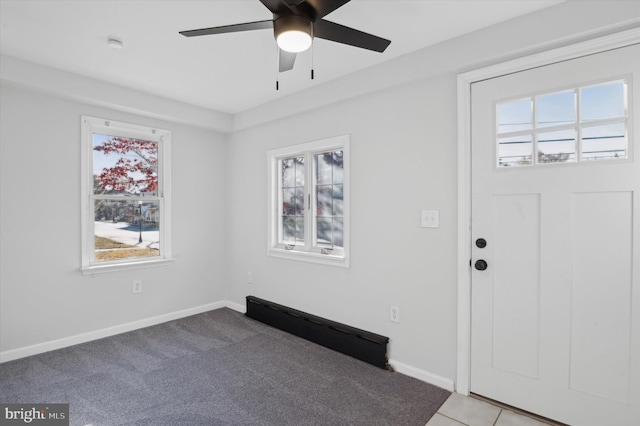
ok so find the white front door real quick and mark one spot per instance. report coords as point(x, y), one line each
point(556, 198)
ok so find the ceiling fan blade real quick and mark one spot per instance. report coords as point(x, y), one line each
point(324, 7)
point(287, 59)
point(345, 35)
point(277, 7)
point(247, 26)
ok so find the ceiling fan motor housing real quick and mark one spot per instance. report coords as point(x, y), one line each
point(293, 32)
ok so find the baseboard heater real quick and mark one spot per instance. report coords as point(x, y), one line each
point(360, 344)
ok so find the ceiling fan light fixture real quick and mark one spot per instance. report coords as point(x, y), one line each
point(294, 41)
point(293, 33)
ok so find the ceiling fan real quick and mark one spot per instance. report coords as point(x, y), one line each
point(295, 23)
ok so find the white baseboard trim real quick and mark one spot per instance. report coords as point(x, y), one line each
point(236, 306)
point(105, 332)
point(425, 376)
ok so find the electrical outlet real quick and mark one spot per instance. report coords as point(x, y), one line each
point(394, 314)
point(137, 286)
point(249, 278)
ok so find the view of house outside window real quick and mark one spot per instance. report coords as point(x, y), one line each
point(124, 168)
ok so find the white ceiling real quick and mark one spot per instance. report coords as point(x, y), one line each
point(228, 73)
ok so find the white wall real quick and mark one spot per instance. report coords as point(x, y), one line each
point(403, 159)
point(43, 295)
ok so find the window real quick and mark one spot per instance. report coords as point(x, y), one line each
point(125, 196)
point(580, 124)
point(309, 202)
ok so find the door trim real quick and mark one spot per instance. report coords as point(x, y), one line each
point(465, 80)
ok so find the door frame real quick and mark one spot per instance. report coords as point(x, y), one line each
point(465, 80)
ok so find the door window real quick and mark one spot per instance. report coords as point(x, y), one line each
point(587, 123)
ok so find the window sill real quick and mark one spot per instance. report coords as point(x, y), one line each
point(322, 259)
point(115, 267)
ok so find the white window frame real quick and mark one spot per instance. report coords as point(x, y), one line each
point(309, 251)
point(91, 126)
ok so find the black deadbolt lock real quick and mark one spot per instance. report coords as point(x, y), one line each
point(481, 265)
point(481, 243)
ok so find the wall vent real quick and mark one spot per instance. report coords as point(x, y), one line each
point(360, 344)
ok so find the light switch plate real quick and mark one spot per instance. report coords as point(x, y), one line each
point(430, 218)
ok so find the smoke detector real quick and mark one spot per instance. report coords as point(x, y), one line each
point(114, 43)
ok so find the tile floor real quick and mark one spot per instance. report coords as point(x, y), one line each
point(460, 410)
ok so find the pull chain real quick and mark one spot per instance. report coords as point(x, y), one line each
point(312, 62)
point(312, 50)
point(277, 68)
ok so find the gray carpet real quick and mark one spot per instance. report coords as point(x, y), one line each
point(216, 368)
